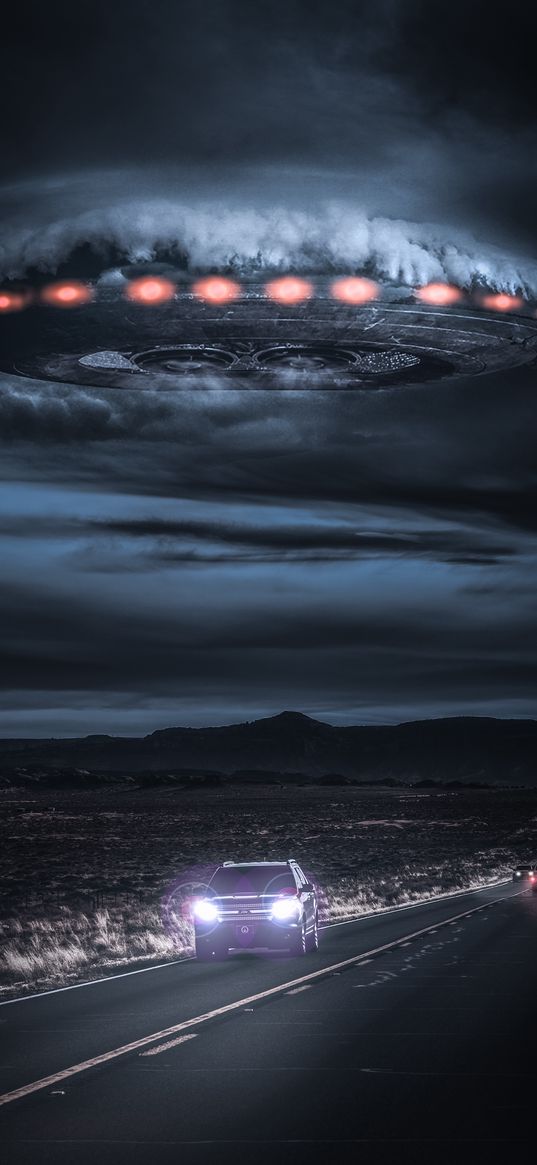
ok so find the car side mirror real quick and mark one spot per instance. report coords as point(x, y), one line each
point(308, 888)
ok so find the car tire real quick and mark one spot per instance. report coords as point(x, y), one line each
point(204, 950)
point(299, 943)
point(313, 937)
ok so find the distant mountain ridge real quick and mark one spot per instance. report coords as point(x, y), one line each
point(456, 748)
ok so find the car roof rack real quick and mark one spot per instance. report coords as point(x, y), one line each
point(284, 862)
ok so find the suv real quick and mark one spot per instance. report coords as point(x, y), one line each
point(524, 873)
point(256, 904)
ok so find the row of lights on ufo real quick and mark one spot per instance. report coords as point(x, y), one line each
point(151, 291)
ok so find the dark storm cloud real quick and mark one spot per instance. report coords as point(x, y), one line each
point(180, 79)
point(310, 543)
point(166, 542)
point(458, 452)
point(46, 414)
point(209, 553)
point(470, 69)
point(475, 57)
point(204, 79)
point(91, 646)
point(411, 110)
point(235, 235)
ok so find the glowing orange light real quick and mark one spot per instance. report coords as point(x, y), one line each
point(72, 294)
point(442, 294)
point(216, 289)
point(351, 289)
point(502, 302)
point(150, 290)
point(12, 301)
point(289, 289)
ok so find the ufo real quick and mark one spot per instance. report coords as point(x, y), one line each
point(251, 340)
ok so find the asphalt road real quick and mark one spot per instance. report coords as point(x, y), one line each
point(422, 1051)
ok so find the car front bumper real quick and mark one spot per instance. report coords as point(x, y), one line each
point(244, 933)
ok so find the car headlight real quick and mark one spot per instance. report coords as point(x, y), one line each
point(205, 910)
point(286, 909)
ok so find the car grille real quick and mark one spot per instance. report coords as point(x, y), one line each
point(236, 909)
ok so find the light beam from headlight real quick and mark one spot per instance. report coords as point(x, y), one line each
point(286, 909)
point(205, 910)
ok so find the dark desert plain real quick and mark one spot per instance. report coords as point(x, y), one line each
point(99, 866)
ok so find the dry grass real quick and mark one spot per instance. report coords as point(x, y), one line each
point(72, 943)
point(102, 881)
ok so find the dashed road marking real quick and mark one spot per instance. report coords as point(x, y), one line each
point(169, 1044)
point(226, 1009)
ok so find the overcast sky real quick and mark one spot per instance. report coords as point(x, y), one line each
point(208, 557)
point(413, 109)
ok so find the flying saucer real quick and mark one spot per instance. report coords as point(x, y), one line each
point(257, 342)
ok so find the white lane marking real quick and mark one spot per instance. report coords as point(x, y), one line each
point(324, 926)
point(421, 902)
point(270, 992)
point(170, 1044)
point(93, 982)
point(297, 990)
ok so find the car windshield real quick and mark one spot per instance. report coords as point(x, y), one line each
point(523, 869)
point(253, 880)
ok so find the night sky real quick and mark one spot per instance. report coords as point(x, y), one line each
point(209, 557)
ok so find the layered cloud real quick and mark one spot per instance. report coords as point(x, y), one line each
point(204, 557)
point(248, 240)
